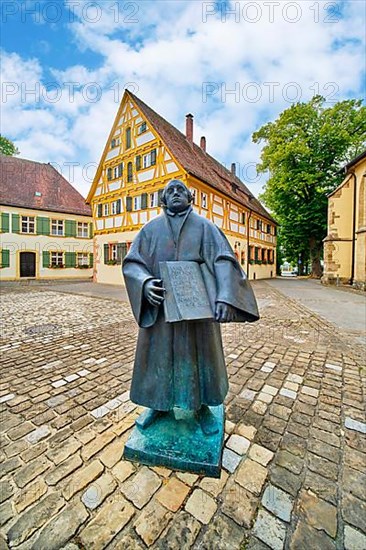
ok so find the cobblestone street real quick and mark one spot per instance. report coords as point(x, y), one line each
point(294, 462)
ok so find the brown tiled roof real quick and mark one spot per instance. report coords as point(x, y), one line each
point(36, 185)
point(199, 163)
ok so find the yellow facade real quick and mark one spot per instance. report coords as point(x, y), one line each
point(39, 244)
point(135, 166)
point(345, 244)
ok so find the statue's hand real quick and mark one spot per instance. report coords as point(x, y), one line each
point(154, 292)
point(224, 313)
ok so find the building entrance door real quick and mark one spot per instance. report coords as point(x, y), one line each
point(27, 264)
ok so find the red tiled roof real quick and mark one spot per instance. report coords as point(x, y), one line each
point(21, 182)
point(199, 163)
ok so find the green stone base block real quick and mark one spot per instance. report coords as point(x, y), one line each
point(175, 440)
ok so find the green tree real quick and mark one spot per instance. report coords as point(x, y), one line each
point(304, 151)
point(7, 147)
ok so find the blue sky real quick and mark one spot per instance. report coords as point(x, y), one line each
point(234, 65)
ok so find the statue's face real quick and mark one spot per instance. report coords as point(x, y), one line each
point(176, 197)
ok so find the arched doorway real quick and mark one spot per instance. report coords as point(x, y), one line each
point(27, 264)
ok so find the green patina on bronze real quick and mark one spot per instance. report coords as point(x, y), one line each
point(176, 441)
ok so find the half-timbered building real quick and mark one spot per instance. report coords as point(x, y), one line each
point(143, 152)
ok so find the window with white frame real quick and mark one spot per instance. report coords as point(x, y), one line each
point(193, 193)
point(137, 203)
point(149, 159)
point(114, 142)
point(57, 259)
point(116, 207)
point(106, 209)
point(83, 229)
point(142, 128)
point(82, 259)
point(28, 224)
point(113, 252)
point(57, 227)
point(203, 200)
point(153, 200)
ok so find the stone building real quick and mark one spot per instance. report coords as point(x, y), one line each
point(143, 152)
point(345, 243)
point(45, 225)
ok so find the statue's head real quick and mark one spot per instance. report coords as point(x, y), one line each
point(176, 196)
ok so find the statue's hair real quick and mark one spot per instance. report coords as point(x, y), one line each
point(163, 197)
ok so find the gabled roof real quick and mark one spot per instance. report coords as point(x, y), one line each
point(346, 170)
point(355, 161)
point(28, 184)
point(199, 163)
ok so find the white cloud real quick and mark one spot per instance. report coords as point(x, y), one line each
point(169, 54)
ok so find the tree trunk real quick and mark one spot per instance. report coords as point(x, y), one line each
point(315, 254)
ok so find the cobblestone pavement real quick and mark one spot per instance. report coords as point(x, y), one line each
point(294, 472)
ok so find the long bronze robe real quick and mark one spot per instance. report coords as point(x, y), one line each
point(182, 364)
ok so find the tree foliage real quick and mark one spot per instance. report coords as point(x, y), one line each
point(7, 147)
point(304, 151)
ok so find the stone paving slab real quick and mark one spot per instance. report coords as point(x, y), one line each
point(294, 464)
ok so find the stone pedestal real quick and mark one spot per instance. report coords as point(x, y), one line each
point(176, 441)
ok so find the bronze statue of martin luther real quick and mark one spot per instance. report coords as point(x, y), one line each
point(181, 365)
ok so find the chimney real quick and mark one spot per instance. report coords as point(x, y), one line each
point(233, 168)
point(203, 143)
point(189, 127)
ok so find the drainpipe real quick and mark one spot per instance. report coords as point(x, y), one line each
point(353, 227)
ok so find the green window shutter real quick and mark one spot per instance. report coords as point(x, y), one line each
point(106, 253)
point(144, 201)
point(109, 174)
point(129, 204)
point(15, 224)
point(118, 206)
point(129, 172)
point(138, 162)
point(99, 211)
point(45, 258)
point(4, 222)
point(124, 250)
point(91, 260)
point(120, 170)
point(5, 258)
point(91, 230)
point(70, 259)
point(160, 194)
point(121, 252)
point(153, 157)
point(70, 228)
point(128, 138)
point(42, 226)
